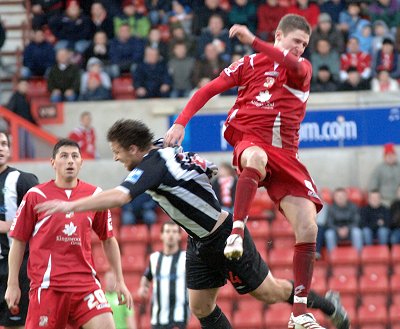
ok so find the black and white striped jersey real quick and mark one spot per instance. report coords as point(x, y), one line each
point(169, 302)
point(180, 184)
point(13, 186)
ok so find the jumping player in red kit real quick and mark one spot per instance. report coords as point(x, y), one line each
point(64, 286)
point(262, 126)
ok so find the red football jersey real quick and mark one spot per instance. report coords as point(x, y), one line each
point(86, 139)
point(271, 101)
point(60, 245)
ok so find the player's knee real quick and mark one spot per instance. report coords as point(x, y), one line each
point(201, 310)
point(307, 231)
point(255, 158)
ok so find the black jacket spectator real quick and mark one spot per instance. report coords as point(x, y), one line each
point(19, 104)
point(2, 35)
point(69, 78)
point(202, 16)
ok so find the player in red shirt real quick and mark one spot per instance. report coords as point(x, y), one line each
point(64, 285)
point(263, 127)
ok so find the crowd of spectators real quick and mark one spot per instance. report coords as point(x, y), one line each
point(172, 47)
point(375, 221)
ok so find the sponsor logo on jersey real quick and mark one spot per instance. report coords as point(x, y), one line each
point(69, 230)
point(269, 82)
point(271, 73)
point(134, 175)
point(262, 100)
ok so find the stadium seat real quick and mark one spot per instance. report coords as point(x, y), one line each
point(285, 272)
point(155, 232)
point(356, 195)
point(376, 254)
point(395, 288)
point(37, 88)
point(283, 242)
point(122, 88)
point(373, 299)
point(394, 314)
point(227, 292)
point(132, 281)
point(277, 316)
point(319, 284)
point(133, 263)
point(374, 284)
point(344, 260)
point(248, 318)
point(326, 195)
point(372, 326)
point(156, 246)
point(346, 285)
point(101, 263)
point(259, 229)
point(280, 226)
point(372, 315)
point(139, 249)
point(138, 233)
point(262, 207)
point(262, 246)
point(395, 258)
point(193, 323)
point(280, 257)
point(226, 306)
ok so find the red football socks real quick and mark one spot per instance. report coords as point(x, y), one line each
point(245, 191)
point(303, 265)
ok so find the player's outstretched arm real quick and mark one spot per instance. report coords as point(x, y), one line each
point(104, 200)
point(15, 256)
point(112, 252)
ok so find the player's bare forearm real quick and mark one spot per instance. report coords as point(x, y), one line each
point(15, 257)
point(241, 32)
point(5, 226)
point(111, 249)
point(104, 200)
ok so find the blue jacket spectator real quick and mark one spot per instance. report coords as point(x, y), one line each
point(125, 51)
point(151, 78)
point(216, 33)
point(39, 56)
point(72, 29)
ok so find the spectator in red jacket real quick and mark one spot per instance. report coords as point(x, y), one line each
point(355, 58)
point(310, 11)
point(85, 136)
point(268, 16)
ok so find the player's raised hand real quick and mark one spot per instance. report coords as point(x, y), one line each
point(242, 33)
point(53, 207)
point(174, 135)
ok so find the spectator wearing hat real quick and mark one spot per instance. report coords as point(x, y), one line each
point(64, 78)
point(72, 29)
point(95, 83)
point(386, 176)
point(326, 30)
point(138, 22)
point(39, 56)
point(387, 59)
point(101, 20)
point(354, 57)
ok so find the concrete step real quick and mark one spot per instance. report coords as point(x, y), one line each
point(12, 45)
point(13, 19)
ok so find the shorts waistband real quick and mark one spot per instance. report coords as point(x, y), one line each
point(228, 220)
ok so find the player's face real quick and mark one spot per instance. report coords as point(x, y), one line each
point(128, 157)
point(67, 163)
point(171, 235)
point(4, 150)
point(295, 41)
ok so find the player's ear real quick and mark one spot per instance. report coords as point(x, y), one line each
point(278, 35)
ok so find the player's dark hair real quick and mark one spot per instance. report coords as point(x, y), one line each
point(292, 22)
point(5, 132)
point(168, 222)
point(127, 132)
point(64, 142)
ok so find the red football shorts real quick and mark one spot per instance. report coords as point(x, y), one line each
point(286, 175)
point(51, 309)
